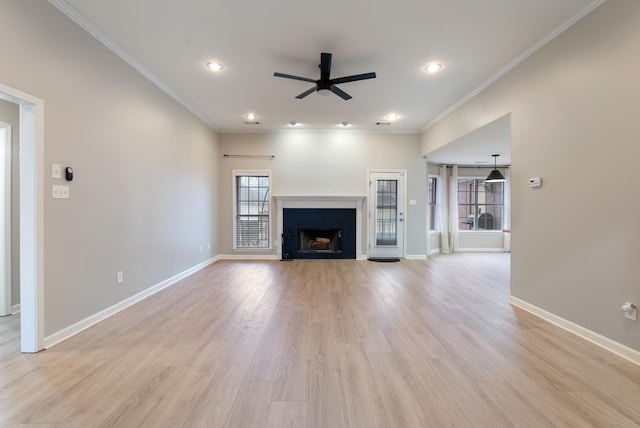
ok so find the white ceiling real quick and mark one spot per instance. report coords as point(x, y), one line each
point(171, 41)
point(477, 147)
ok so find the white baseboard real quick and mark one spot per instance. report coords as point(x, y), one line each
point(593, 337)
point(15, 309)
point(415, 257)
point(435, 251)
point(76, 328)
point(248, 257)
point(481, 250)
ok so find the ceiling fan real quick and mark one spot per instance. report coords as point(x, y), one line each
point(325, 83)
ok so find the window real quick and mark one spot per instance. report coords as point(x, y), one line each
point(386, 212)
point(480, 204)
point(251, 209)
point(433, 190)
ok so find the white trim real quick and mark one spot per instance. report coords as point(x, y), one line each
point(415, 257)
point(5, 218)
point(247, 257)
point(524, 55)
point(76, 328)
point(15, 309)
point(31, 131)
point(72, 14)
point(593, 337)
point(480, 250)
point(435, 250)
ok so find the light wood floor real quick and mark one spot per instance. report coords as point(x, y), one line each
point(322, 344)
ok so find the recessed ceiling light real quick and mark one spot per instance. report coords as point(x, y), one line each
point(251, 116)
point(214, 66)
point(293, 123)
point(345, 124)
point(433, 67)
point(391, 117)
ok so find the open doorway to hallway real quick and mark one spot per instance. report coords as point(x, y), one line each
point(8, 295)
point(29, 211)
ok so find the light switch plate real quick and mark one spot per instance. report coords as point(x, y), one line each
point(55, 171)
point(60, 192)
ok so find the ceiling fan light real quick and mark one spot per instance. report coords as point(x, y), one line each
point(433, 67)
point(324, 92)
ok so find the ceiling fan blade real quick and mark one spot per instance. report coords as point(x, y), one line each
point(339, 92)
point(289, 76)
point(307, 92)
point(325, 66)
point(353, 78)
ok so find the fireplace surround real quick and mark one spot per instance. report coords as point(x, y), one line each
point(354, 204)
point(320, 233)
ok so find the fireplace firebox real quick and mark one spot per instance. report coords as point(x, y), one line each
point(320, 233)
point(320, 240)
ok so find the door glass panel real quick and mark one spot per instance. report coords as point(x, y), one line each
point(386, 212)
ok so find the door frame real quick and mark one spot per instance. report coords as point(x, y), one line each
point(370, 226)
point(5, 219)
point(31, 144)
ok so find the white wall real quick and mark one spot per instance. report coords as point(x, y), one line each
point(574, 122)
point(10, 113)
point(143, 198)
point(327, 163)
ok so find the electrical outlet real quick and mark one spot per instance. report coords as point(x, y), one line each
point(208, 245)
point(119, 277)
point(200, 248)
point(630, 311)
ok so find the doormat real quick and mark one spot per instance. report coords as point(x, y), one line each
point(383, 259)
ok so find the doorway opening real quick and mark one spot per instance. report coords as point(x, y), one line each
point(6, 307)
point(31, 197)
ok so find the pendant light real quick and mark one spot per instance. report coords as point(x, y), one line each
point(495, 176)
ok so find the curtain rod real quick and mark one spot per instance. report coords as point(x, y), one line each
point(250, 156)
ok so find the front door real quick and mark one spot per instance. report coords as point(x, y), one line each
point(386, 214)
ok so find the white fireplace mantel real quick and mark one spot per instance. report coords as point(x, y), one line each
point(322, 201)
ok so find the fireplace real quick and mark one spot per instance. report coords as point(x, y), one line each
point(351, 236)
point(320, 233)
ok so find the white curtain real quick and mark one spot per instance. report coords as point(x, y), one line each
point(453, 209)
point(428, 211)
point(443, 209)
point(506, 221)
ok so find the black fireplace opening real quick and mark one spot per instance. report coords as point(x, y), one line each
point(320, 240)
point(319, 233)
